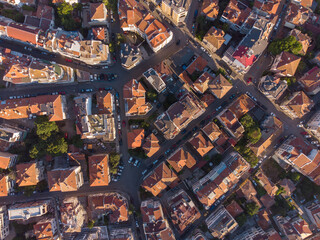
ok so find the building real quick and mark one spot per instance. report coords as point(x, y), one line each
point(220, 179)
point(192, 71)
point(155, 225)
point(218, 137)
point(220, 86)
point(295, 228)
point(100, 126)
point(54, 106)
point(94, 233)
point(230, 116)
point(135, 138)
point(310, 81)
point(269, 186)
point(235, 14)
point(302, 156)
point(312, 209)
point(134, 95)
point(83, 104)
point(220, 223)
point(316, 59)
point(201, 144)
point(151, 145)
point(73, 215)
point(247, 191)
point(252, 45)
point(272, 87)
point(114, 205)
point(46, 229)
point(202, 83)
point(135, 18)
point(266, 7)
point(179, 115)
point(27, 210)
point(121, 234)
point(272, 128)
point(234, 209)
point(101, 33)
point(9, 135)
point(297, 105)
point(181, 158)
point(182, 210)
point(44, 18)
point(98, 14)
point(210, 9)
point(304, 39)
point(257, 232)
point(99, 170)
point(4, 223)
point(288, 187)
point(285, 64)
point(159, 179)
point(297, 15)
point(105, 102)
point(130, 56)
point(313, 124)
point(6, 185)
point(176, 10)
point(155, 80)
point(65, 180)
point(7, 160)
point(304, 3)
point(29, 174)
point(213, 39)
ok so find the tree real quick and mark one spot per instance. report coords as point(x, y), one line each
point(64, 9)
point(247, 121)
point(91, 224)
point(44, 128)
point(57, 147)
point(114, 160)
point(252, 208)
point(131, 209)
point(280, 190)
point(241, 219)
point(288, 44)
point(294, 176)
point(254, 135)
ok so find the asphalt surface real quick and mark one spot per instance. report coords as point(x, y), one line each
point(131, 176)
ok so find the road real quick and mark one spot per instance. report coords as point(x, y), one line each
point(132, 178)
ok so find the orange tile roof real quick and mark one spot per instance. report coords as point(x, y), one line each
point(215, 37)
point(300, 104)
point(268, 6)
point(99, 33)
point(212, 131)
point(135, 138)
point(200, 144)
point(236, 12)
point(197, 65)
point(304, 39)
point(210, 8)
point(311, 80)
point(105, 102)
point(297, 14)
point(5, 159)
point(50, 105)
point(288, 64)
point(27, 174)
point(43, 229)
point(151, 145)
point(242, 105)
point(234, 209)
point(23, 32)
point(220, 86)
point(270, 187)
point(202, 83)
point(207, 99)
point(97, 11)
point(3, 185)
point(180, 159)
point(99, 170)
point(159, 179)
point(63, 180)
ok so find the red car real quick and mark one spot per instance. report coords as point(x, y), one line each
point(123, 123)
point(68, 60)
point(304, 133)
point(249, 80)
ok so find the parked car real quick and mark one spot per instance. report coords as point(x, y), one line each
point(144, 172)
point(130, 160)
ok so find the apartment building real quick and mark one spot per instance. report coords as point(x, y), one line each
point(46, 228)
point(7, 160)
point(313, 124)
point(310, 81)
point(65, 180)
point(155, 80)
point(272, 87)
point(99, 170)
point(27, 210)
point(4, 223)
point(29, 174)
point(177, 10)
point(220, 223)
point(6, 185)
point(73, 214)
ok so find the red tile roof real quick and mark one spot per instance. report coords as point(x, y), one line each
point(135, 138)
point(151, 145)
point(27, 174)
point(180, 159)
point(99, 170)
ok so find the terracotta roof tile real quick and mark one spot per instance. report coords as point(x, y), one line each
point(210, 8)
point(27, 174)
point(151, 145)
point(220, 86)
point(180, 159)
point(200, 144)
point(135, 138)
point(99, 170)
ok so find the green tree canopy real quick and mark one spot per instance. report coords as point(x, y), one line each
point(57, 147)
point(288, 44)
point(254, 134)
point(280, 190)
point(247, 121)
point(252, 208)
point(64, 9)
point(114, 160)
point(44, 128)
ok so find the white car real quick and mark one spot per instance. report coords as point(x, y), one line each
point(144, 172)
point(119, 119)
point(314, 142)
point(272, 114)
point(105, 67)
point(300, 125)
point(119, 126)
point(130, 160)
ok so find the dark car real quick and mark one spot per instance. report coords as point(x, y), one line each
point(232, 96)
point(184, 131)
point(178, 42)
